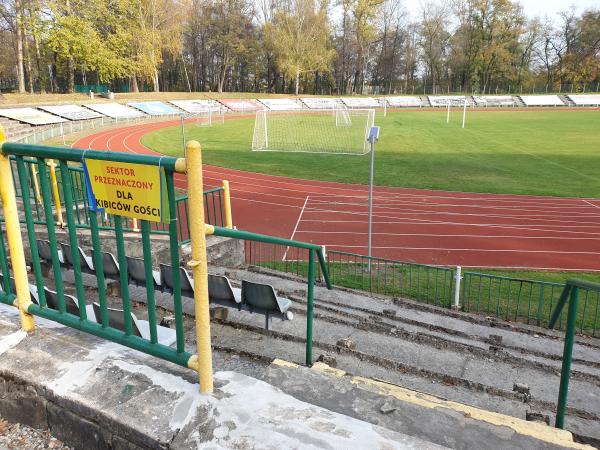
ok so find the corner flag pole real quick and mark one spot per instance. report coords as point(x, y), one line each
point(373, 137)
point(464, 112)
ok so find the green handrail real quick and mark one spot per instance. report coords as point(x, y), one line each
point(62, 313)
point(313, 250)
point(77, 154)
point(213, 201)
point(249, 236)
point(40, 153)
point(570, 293)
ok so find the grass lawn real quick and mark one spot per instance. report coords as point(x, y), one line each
point(518, 152)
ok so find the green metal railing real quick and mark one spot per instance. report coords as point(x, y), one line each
point(38, 155)
point(102, 327)
point(572, 294)
point(314, 266)
point(509, 298)
point(278, 257)
point(431, 284)
point(213, 203)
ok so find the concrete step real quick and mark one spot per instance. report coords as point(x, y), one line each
point(567, 101)
point(416, 414)
point(518, 101)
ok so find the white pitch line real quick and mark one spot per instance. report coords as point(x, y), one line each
point(296, 227)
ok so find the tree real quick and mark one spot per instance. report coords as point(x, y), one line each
point(154, 29)
point(434, 40)
point(300, 36)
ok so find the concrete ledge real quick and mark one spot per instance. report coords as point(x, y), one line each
point(95, 394)
point(414, 413)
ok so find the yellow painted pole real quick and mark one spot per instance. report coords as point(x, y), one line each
point(135, 225)
point(36, 183)
point(203, 362)
point(59, 215)
point(227, 196)
point(15, 242)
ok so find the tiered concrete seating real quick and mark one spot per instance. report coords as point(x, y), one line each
point(403, 101)
point(541, 100)
point(585, 99)
point(494, 100)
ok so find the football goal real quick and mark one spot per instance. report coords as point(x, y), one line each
point(341, 131)
point(208, 118)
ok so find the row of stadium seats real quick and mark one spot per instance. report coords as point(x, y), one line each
point(253, 297)
point(56, 114)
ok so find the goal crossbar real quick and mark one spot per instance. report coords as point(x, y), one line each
point(334, 131)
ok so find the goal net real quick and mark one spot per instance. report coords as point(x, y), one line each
point(208, 118)
point(339, 131)
point(342, 118)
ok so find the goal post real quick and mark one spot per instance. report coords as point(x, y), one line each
point(260, 137)
point(336, 131)
point(208, 117)
point(342, 117)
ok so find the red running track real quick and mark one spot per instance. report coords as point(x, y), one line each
point(431, 227)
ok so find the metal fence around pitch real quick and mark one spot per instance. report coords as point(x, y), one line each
point(506, 298)
point(278, 257)
point(527, 301)
point(65, 128)
point(431, 284)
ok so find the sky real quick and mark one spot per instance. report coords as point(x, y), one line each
point(532, 7)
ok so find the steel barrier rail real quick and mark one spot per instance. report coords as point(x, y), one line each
point(569, 294)
point(505, 297)
point(432, 284)
point(103, 328)
point(217, 203)
point(509, 298)
point(315, 254)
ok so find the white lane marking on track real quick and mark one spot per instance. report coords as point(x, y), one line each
point(494, 250)
point(398, 204)
point(296, 227)
point(390, 216)
point(409, 212)
point(502, 236)
point(390, 211)
point(306, 188)
point(590, 203)
point(415, 222)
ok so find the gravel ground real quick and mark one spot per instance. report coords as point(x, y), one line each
point(16, 436)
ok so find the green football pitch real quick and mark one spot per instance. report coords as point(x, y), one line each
point(503, 151)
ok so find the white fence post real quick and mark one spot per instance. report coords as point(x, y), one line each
point(457, 280)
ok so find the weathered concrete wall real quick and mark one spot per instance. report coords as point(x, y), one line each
point(97, 395)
